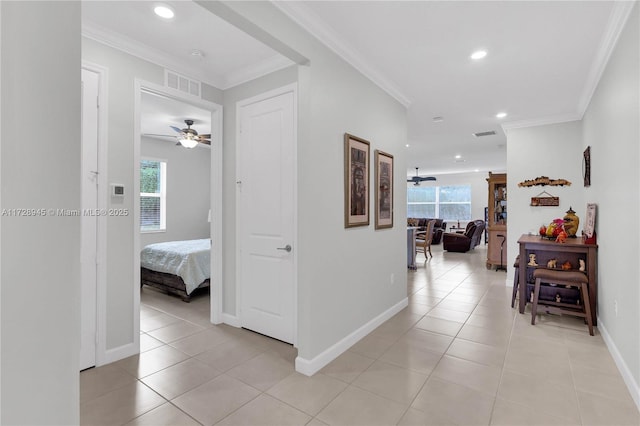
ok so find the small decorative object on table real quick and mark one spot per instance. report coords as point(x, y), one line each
point(566, 266)
point(582, 266)
point(562, 237)
point(552, 264)
point(532, 260)
point(554, 228)
point(558, 298)
point(571, 222)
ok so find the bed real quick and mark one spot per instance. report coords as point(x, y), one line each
point(177, 267)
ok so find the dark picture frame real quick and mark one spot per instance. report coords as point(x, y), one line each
point(356, 181)
point(383, 183)
point(586, 166)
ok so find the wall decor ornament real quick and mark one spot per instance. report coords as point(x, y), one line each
point(547, 201)
point(586, 166)
point(383, 182)
point(544, 181)
point(356, 181)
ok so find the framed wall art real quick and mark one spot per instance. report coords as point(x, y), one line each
point(356, 181)
point(586, 166)
point(383, 182)
point(590, 222)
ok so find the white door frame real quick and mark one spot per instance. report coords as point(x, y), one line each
point(293, 88)
point(101, 243)
point(215, 202)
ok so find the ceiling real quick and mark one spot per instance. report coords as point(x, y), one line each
point(543, 60)
point(158, 113)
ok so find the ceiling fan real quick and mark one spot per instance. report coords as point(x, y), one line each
point(417, 178)
point(187, 137)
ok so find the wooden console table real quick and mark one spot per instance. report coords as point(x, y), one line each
point(572, 250)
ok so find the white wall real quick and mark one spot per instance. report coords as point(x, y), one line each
point(479, 195)
point(554, 151)
point(612, 129)
point(188, 190)
point(123, 70)
point(343, 274)
point(611, 126)
point(40, 255)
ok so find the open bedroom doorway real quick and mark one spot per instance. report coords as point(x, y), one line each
point(178, 157)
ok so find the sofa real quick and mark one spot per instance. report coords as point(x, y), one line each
point(421, 222)
point(463, 242)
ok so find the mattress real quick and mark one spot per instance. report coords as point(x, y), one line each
point(190, 260)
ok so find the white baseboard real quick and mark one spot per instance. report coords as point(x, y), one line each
point(312, 366)
point(121, 352)
point(634, 388)
point(231, 320)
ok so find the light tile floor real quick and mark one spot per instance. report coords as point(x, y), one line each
point(458, 354)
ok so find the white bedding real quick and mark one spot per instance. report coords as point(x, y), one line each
point(189, 260)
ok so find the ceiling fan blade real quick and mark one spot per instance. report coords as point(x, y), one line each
point(176, 129)
point(205, 141)
point(205, 136)
point(155, 135)
point(427, 178)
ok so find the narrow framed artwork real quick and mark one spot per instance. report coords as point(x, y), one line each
point(356, 181)
point(586, 166)
point(383, 189)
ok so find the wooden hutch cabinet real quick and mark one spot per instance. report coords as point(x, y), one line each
point(497, 221)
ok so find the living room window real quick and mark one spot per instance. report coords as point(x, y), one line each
point(153, 195)
point(450, 203)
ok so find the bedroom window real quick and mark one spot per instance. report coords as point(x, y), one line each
point(153, 194)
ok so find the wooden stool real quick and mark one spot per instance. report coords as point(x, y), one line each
point(566, 278)
point(516, 280)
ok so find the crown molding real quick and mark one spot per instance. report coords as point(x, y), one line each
point(125, 44)
point(275, 63)
point(541, 121)
point(310, 22)
point(617, 20)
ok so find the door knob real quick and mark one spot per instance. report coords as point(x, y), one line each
point(286, 248)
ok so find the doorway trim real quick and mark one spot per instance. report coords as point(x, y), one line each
point(101, 238)
point(289, 88)
point(216, 285)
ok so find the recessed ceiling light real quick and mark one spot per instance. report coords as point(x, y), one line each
point(458, 156)
point(164, 11)
point(501, 115)
point(476, 170)
point(479, 54)
point(407, 145)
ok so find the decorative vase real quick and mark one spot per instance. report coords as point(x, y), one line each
point(571, 222)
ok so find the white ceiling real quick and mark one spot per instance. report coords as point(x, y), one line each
point(158, 113)
point(544, 59)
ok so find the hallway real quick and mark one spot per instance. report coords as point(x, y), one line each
point(458, 354)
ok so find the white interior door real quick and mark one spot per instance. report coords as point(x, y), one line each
point(89, 222)
point(266, 200)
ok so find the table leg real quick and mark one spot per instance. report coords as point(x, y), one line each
point(522, 284)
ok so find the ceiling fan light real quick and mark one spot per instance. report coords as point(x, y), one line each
point(188, 142)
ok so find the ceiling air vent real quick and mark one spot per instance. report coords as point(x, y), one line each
point(182, 83)
point(481, 134)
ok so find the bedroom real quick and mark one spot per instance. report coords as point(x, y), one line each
point(175, 181)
